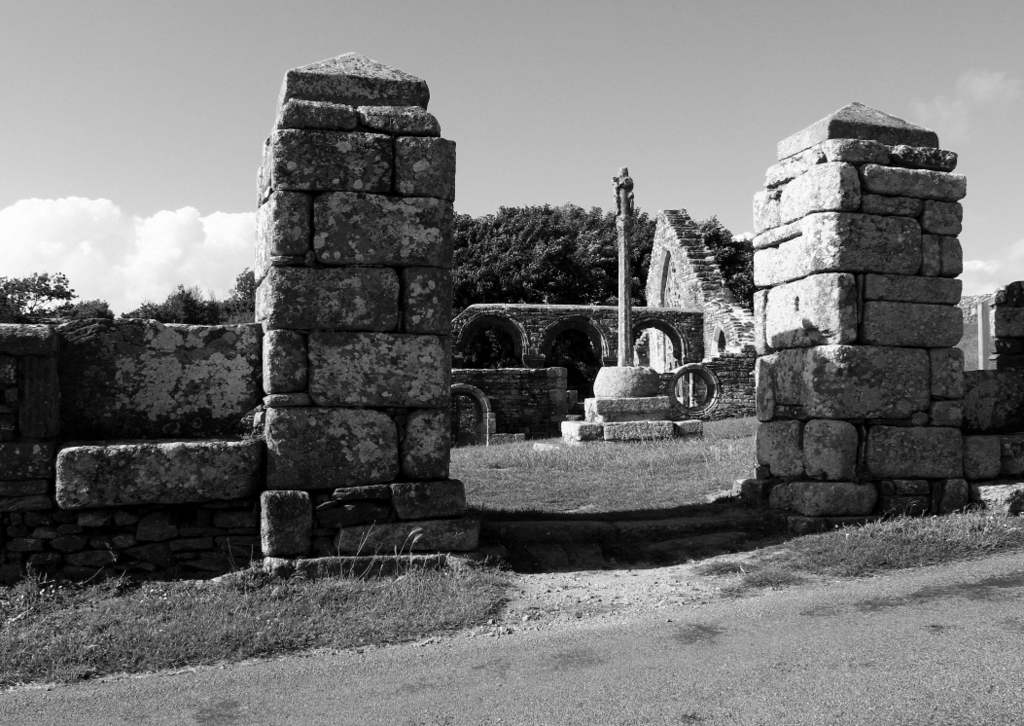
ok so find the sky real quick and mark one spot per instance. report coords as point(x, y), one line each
point(132, 130)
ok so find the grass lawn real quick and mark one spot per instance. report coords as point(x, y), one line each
point(606, 477)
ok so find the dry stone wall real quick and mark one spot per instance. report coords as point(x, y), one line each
point(859, 387)
point(530, 401)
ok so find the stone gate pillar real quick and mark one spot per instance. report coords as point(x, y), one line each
point(858, 382)
point(353, 265)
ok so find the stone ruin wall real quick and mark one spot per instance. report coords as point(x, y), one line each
point(528, 401)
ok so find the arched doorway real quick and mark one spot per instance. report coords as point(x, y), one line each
point(472, 420)
point(490, 341)
point(579, 346)
point(658, 345)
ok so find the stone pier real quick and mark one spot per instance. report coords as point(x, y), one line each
point(354, 259)
point(856, 256)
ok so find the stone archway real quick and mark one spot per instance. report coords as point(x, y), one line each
point(701, 390)
point(671, 356)
point(478, 324)
point(598, 340)
point(485, 422)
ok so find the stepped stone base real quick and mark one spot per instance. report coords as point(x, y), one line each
point(651, 408)
point(581, 432)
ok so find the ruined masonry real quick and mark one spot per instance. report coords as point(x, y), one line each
point(859, 386)
point(354, 255)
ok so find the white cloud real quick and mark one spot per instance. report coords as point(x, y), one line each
point(976, 89)
point(121, 258)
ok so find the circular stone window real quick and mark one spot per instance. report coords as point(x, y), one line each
point(694, 389)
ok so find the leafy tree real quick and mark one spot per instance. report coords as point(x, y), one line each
point(735, 258)
point(184, 305)
point(84, 309)
point(32, 298)
point(241, 303)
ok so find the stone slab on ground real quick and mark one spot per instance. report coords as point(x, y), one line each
point(286, 523)
point(133, 378)
point(115, 474)
point(1001, 496)
point(691, 427)
point(651, 408)
point(576, 432)
point(638, 430)
point(313, 568)
point(439, 535)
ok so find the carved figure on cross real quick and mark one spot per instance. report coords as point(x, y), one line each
point(623, 184)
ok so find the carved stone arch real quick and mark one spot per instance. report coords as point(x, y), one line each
point(673, 335)
point(712, 388)
point(484, 417)
point(660, 268)
point(720, 341)
point(597, 337)
point(481, 322)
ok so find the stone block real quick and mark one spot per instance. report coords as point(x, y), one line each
point(284, 361)
point(823, 188)
point(993, 401)
point(982, 457)
point(426, 300)
point(917, 183)
point(857, 121)
point(156, 527)
point(39, 407)
point(399, 120)
point(1008, 322)
point(356, 80)
point(428, 499)
point(824, 498)
point(1003, 361)
point(287, 400)
point(329, 448)
point(371, 491)
point(1011, 455)
point(908, 288)
point(951, 257)
point(918, 157)
point(371, 229)
point(33, 503)
point(425, 444)
point(240, 519)
point(346, 515)
point(947, 372)
point(379, 369)
point(26, 460)
point(911, 325)
point(816, 310)
point(778, 446)
point(176, 472)
point(914, 452)
point(891, 206)
point(575, 432)
point(132, 378)
point(954, 496)
point(767, 210)
point(284, 227)
point(306, 160)
point(931, 256)
point(303, 298)
point(1000, 496)
point(764, 387)
point(299, 113)
point(789, 169)
point(425, 167)
point(760, 322)
point(8, 371)
point(24, 488)
point(27, 339)
point(842, 242)
point(1010, 295)
point(855, 151)
point(830, 450)
point(452, 535)
point(286, 523)
point(651, 408)
point(694, 427)
point(942, 217)
point(946, 413)
point(775, 237)
point(638, 430)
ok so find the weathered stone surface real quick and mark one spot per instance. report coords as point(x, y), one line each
point(775, 237)
point(8, 371)
point(378, 369)
point(1005, 497)
point(35, 502)
point(460, 535)
point(328, 448)
point(132, 378)
point(425, 167)
point(931, 256)
point(823, 188)
point(842, 242)
point(375, 492)
point(857, 121)
point(694, 427)
point(993, 401)
point(426, 300)
point(917, 157)
point(954, 496)
point(1008, 322)
point(897, 206)
point(370, 229)
point(284, 361)
point(25, 460)
point(951, 257)
point(574, 432)
point(156, 527)
point(830, 449)
point(927, 452)
point(24, 488)
point(778, 446)
point(981, 457)
point(817, 310)
point(626, 382)
point(911, 288)
point(1011, 455)
point(287, 400)
point(1010, 295)
point(304, 160)
point(822, 498)
point(425, 445)
point(851, 381)
point(347, 515)
point(286, 523)
point(789, 169)
point(912, 325)
point(356, 80)
point(917, 183)
point(651, 408)
point(761, 323)
point(283, 229)
point(855, 151)
point(301, 298)
point(767, 210)
point(27, 339)
point(947, 372)
point(428, 499)
point(638, 430)
point(942, 217)
point(299, 113)
point(946, 413)
point(39, 404)
point(399, 120)
point(157, 473)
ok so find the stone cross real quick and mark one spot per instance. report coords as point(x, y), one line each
point(624, 224)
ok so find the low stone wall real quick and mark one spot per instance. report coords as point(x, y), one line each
point(529, 401)
point(735, 374)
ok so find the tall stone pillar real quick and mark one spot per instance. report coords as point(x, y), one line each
point(856, 258)
point(353, 264)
